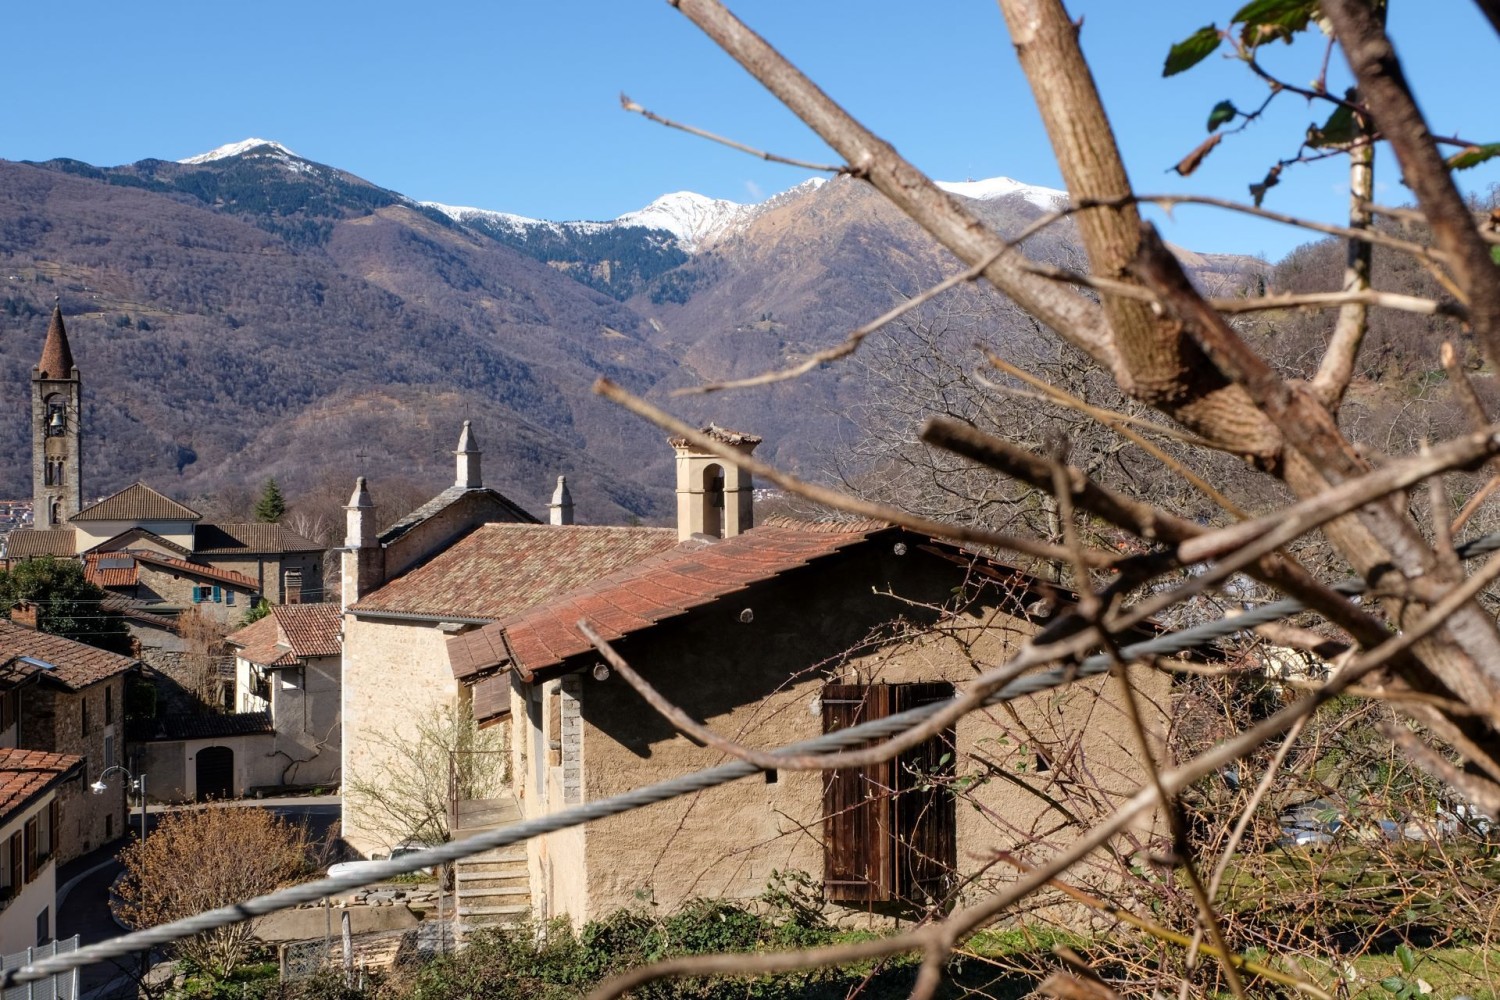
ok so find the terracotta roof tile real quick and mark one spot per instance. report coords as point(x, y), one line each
point(500, 569)
point(258, 642)
point(252, 538)
point(310, 629)
point(196, 569)
point(199, 727)
point(135, 610)
point(652, 590)
point(29, 543)
point(25, 774)
point(138, 502)
point(110, 569)
point(76, 664)
point(57, 356)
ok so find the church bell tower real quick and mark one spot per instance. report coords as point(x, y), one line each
point(56, 453)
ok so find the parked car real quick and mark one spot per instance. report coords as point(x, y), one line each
point(401, 849)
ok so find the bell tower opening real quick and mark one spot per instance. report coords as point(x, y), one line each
point(714, 497)
point(56, 431)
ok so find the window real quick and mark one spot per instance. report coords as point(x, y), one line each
point(7, 709)
point(15, 864)
point(291, 587)
point(83, 712)
point(109, 705)
point(9, 884)
point(44, 926)
point(229, 597)
point(888, 829)
point(33, 861)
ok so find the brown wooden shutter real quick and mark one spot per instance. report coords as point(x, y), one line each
point(889, 829)
point(925, 817)
point(54, 826)
point(31, 835)
point(856, 816)
point(17, 864)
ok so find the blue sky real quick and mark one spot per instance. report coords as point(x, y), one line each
point(514, 106)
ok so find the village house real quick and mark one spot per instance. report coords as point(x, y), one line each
point(769, 635)
point(155, 554)
point(62, 696)
point(29, 821)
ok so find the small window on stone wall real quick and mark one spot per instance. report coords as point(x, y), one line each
point(291, 587)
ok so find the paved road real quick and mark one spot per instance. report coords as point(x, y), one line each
point(83, 883)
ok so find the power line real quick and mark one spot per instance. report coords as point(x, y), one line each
point(1172, 642)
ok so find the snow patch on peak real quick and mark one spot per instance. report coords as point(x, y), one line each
point(460, 213)
point(1000, 187)
point(693, 218)
point(237, 148)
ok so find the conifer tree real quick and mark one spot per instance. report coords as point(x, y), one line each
point(271, 506)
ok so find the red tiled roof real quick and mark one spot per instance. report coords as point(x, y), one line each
point(690, 575)
point(500, 569)
point(253, 538)
point(57, 356)
point(76, 664)
point(197, 569)
point(124, 606)
point(291, 633)
point(138, 502)
point(25, 774)
point(110, 569)
point(258, 641)
point(310, 629)
point(28, 543)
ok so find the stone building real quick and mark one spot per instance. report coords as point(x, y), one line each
point(769, 634)
point(67, 697)
point(30, 783)
point(289, 664)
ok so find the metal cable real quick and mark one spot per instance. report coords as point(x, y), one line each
point(1164, 645)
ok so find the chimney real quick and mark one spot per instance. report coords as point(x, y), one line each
point(468, 460)
point(714, 497)
point(561, 507)
point(362, 563)
point(24, 614)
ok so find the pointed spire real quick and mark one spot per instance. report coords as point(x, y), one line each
point(361, 495)
point(359, 517)
point(57, 357)
point(561, 507)
point(468, 476)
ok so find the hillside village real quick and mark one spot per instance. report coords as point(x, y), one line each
point(470, 604)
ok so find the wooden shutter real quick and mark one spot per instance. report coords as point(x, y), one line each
point(856, 815)
point(31, 846)
point(925, 818)
point(17, 865)
point(888, 828)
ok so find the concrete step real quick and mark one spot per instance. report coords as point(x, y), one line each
point(480, 882)
point(512, 910)
point(515, 853)
point(479, 892)
point(486, 813)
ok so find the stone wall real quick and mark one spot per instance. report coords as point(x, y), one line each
point(759, 681)
point(53, 719)
point(396, 673)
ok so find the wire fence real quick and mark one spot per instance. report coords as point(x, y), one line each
point(1167, 644)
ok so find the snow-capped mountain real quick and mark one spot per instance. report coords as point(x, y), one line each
point(1001, 187)
point(238, 148)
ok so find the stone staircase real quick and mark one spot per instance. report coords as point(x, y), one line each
point(493, 888)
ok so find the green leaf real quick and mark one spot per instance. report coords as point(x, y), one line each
point(1393, 984)
point(1406, 957)
point(1192, 50)
point(1473, 156)
point(1223, 112)
point(1340, 129)
point(1268, 20)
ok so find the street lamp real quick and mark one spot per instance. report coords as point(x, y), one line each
point(137, 784)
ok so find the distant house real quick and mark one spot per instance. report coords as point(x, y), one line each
point(290, 664)
point(157, 553)
point(29, 824)
point(61, 696)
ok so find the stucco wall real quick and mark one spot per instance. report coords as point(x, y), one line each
point(91, 533)
point(52, 719)
point(759, 682)
point(305, 706)
point(268, 572)
point(171, 766)
point(395, 674)
point(18, 920)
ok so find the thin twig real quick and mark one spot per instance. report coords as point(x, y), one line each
point(851, 342)
point(627, 104)
point(834, 498)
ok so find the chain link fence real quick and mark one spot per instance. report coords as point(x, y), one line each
point(62, 986)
